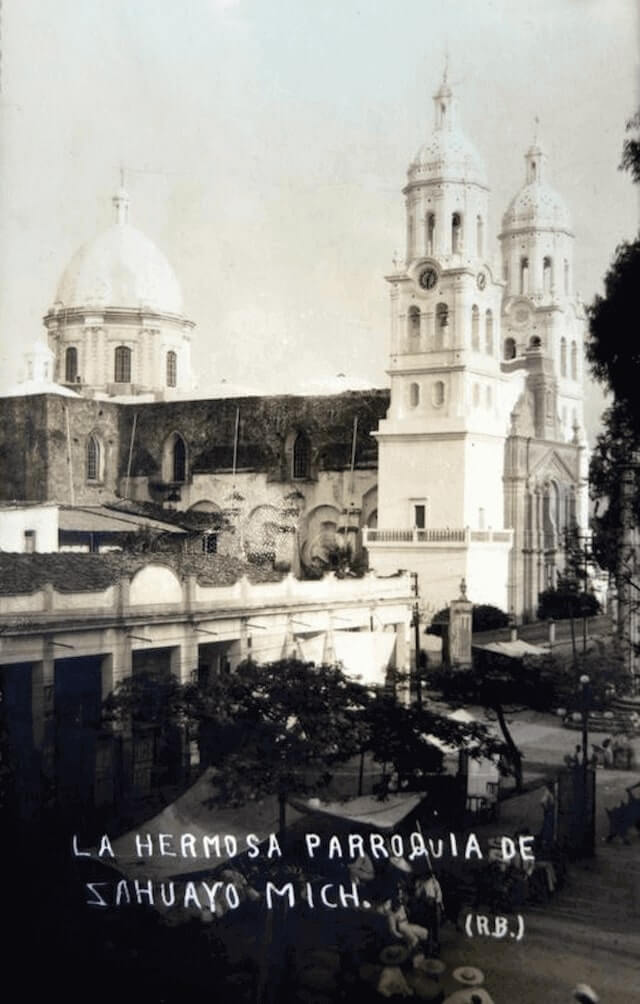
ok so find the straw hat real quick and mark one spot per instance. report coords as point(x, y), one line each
point(469, 976)
point(585, 994)
point(394, 955)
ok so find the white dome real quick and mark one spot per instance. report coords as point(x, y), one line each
point(120, 268)
point(537, 205)
point(448, 154)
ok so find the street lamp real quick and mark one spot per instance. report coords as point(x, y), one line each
point(584, 683)
point(588, 809)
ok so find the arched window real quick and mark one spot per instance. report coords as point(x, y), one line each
point(94, 459)
point(179, 459)
point(488, 396)
point(509, 348)
point(122, 364)
point(479, 235)
point(505, 270)
point(563, 357)
point(71, 364)
point(574, 361)
point(430, 231)
point(442, 314)
point(301, 456)
point(475, 396)
point(524, 276)
point(414, 395)
point(456, 232)
point(410, 238)
point(475, 328)
point(566, 277)
point(438, 393)
point(174, 459)
point(414, 322)
point(488, 332)
point(546, 274)
point(172, 369)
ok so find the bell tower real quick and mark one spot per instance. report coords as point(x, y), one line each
point(441, 446)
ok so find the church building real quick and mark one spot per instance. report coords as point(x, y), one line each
point(482, 459)
point(472, 465)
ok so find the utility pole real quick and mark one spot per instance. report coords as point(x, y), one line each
point(416, 641)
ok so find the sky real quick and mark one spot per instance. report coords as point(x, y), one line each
point(265, 145)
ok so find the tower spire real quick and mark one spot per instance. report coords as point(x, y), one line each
point(121, 201)
point(443, 100)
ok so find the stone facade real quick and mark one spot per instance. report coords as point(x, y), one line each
point(76, 626)
point(304, 463)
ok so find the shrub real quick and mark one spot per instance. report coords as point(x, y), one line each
point(484, 617)
point(565, 602)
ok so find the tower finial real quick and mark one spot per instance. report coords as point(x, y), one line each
point(536, 128)
point(121, 201)
point(445, 75)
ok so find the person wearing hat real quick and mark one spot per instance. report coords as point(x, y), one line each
point(584, 994)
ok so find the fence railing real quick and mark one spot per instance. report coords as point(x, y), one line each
point(435, 535)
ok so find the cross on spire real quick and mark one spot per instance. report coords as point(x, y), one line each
point(121, 201)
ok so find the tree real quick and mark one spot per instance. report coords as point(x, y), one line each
point(500, 684)
point(400, 736)
point(615, 361)
point(280, 728)
point(560, 679)
point(613, 354)
point(152, 704)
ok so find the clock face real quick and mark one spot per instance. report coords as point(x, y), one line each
point(428, 278)
point(481, 280)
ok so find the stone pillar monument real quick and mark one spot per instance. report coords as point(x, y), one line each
point(460, 630)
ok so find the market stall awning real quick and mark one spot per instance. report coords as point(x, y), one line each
point(461, 716)
point(367, 810)
point(192, 814)
point(513, 649)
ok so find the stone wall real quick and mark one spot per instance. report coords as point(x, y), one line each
point(86, 417)
point(24, 448)
point(267, 428)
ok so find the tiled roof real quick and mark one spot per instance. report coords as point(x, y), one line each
point(70, 572)
point(100, 519)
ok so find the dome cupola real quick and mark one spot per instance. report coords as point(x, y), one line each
point(537, 205)
point(120, 268)
point(448, 154)
point(117, 326)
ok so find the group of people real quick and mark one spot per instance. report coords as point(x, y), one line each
point(614, 751)
point(409, 898)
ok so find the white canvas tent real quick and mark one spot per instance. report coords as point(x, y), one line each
point(366, 810)
point(191, 814)
point(364, 655)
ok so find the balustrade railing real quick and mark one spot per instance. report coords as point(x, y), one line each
point(435, 535)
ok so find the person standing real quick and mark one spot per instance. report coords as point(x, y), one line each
point(430, 907)
point(548, 804)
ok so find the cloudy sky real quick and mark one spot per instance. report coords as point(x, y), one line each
point(266, 142)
